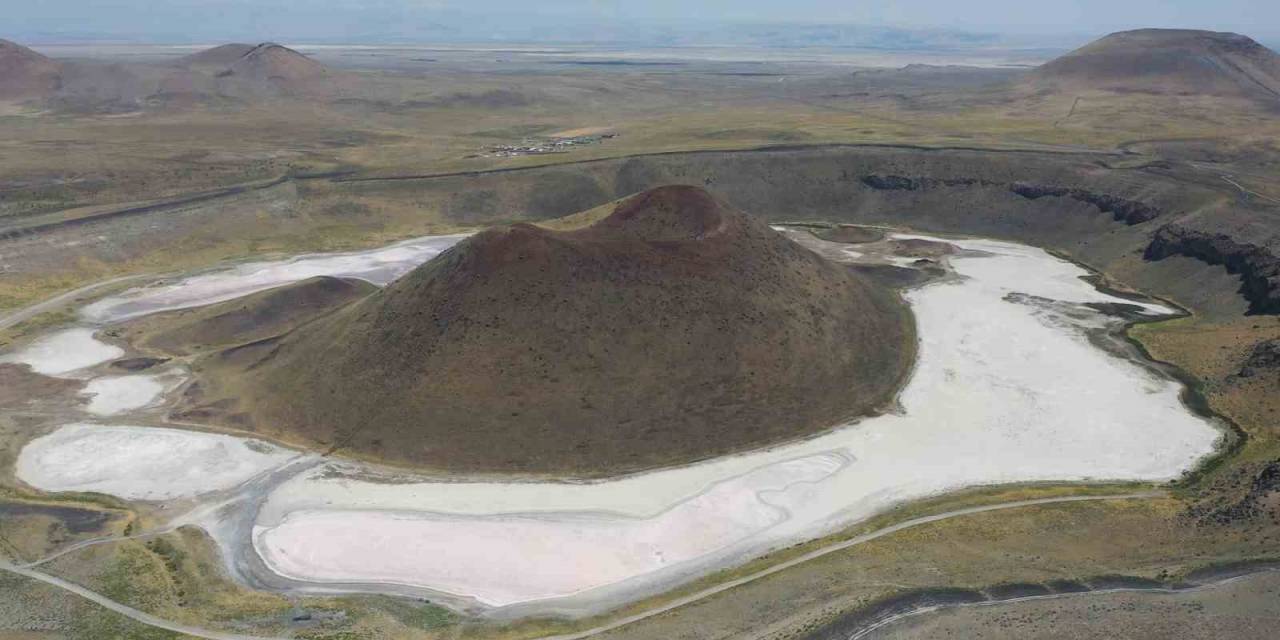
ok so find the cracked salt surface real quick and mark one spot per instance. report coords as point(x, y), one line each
point(112, 395)
point(64, 352)
point(143, 463)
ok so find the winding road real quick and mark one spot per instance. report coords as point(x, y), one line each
point(148, 619)
point(841, 546)
point(27, 313)
point(125, 610)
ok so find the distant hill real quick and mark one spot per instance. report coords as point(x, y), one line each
point(672, 330)
point(1166, 61)
point(272, 66)
point(25, 73)
point(220, 57)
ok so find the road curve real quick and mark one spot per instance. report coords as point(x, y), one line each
point(127, 611)
point(26, 313)
point(840, 546)
point(150, 620)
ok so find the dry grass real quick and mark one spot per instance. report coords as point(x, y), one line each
point(179, 577)
point(140, 159)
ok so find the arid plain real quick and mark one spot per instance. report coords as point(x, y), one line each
point(199, 177)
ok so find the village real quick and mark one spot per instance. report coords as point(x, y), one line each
point(534, 146)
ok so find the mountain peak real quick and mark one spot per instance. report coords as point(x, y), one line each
point(675, 329)
point(1167, 61)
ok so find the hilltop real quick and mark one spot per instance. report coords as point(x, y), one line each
point(270, 65)
point(1166, 61)
point(220, 57)
point(244, 71)
point(674, 329)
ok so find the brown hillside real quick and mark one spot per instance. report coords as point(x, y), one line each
point(25, 73)
point(1167, 61)
point(271, 66)
point(675, 329)
point(254, 317)
point(219, 57)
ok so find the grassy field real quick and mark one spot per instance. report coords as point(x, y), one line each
point(67, 165)
point(178, 576)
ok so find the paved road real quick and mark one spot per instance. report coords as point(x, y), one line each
point(839, 546)
point(128, 612)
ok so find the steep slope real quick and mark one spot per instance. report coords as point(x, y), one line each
point(254, 317)
point(219, 57)
point(25, 73)
point(1167, 61)
point(672, 330)
point(271, 67)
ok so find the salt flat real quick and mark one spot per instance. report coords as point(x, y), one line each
point(142, 463)
point(1007, 389)
point(590, 549)
point(378, 266)
point(64, 352)
point(110, 395)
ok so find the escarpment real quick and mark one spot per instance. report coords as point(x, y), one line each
point(1258, 266)
point(1124, 210)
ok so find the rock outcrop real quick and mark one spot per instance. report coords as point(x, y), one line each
point(1258, 266)
point(1126, 211)
point(1263, 358)
point(1123, 210)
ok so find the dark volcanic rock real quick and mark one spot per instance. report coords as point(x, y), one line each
point(138, 364)
point(1264, 357)
point(72, 519)
point(1264, 483)
point(891, 183)
point(903, 183)
point(1126, 211)
point(1259, 267)
point(1123, 210)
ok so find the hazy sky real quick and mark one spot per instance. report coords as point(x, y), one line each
point(286, 19)
point(995, 15)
